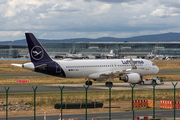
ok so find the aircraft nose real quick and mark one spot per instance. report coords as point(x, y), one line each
point(157, 69)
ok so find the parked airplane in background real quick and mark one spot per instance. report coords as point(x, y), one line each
point(75, 56)
point(111, 54)
point(128, 70)
point(152, 56)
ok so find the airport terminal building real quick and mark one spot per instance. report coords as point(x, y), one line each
point(140, 49)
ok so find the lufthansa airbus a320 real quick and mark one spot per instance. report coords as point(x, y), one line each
point(128, 70)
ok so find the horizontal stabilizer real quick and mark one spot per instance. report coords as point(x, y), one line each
point(19, 65)
point(41, 66)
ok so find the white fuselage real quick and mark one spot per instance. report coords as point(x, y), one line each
point(128, 70)
point(83, 68)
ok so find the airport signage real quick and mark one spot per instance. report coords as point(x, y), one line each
point(23, 81)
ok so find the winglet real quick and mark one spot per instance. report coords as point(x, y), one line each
point(132, 63)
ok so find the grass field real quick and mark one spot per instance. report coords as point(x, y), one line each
point(120, 99)
point(98, 96)
point(36, 80)
point(6, 67)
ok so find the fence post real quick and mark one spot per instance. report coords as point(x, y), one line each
point(61, 99)
point(153, 99)
point(110, 100)
point(132, 86)
point(34, 101)
point(174, 99)
point(86, 98)
point(6, 102)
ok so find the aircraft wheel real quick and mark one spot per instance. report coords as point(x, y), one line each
point(109, 83)
point(142, 82)
point(153, 82)
point(88, 82)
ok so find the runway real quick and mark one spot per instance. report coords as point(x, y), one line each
point(16, 89)
point(114, 115)
point(79, 87)
point(169, 71)
point(40, 74)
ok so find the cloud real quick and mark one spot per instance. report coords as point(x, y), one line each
point(112, 1)
point(86, 18)
point(140, 17)
point(132, 2)
point(102, 9)
point(163, 11)
point(67, 6)
point(13, 7)
point(170, 3)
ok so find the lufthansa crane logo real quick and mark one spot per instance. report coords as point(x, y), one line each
point(37, 53)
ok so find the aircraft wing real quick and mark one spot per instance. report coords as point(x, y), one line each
point(41, 66)
point(116, 73)
point(112, 73)
point(108, 73)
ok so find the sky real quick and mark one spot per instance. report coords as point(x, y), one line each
point(65, 19)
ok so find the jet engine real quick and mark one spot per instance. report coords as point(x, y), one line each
point(130, 78)
point(29, 66)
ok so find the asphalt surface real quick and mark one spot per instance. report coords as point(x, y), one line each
point(22, 74)
point(114, 116)
point(169, 71)
point(97, 86)
point(80, 87)
point(40, 74)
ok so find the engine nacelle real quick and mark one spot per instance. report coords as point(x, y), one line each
point(29, 66)
point(131, 78)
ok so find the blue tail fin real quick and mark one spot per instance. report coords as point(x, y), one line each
point(36, 51)
point(41, 60)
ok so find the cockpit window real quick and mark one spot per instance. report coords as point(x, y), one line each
point(153, 64)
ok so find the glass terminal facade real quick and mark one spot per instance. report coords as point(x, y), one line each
point(140, 49)
point(120, 48)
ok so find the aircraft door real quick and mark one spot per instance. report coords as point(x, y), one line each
point(58, 68)
point(113, 66)
point(147, 66)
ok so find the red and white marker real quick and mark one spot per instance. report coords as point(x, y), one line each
point(44, 113)
point(60, 114)
point(23, 81)
point(143, 117)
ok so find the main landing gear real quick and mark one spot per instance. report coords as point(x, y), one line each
point(88, 82)
point(109, 84)
point(141, 82)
